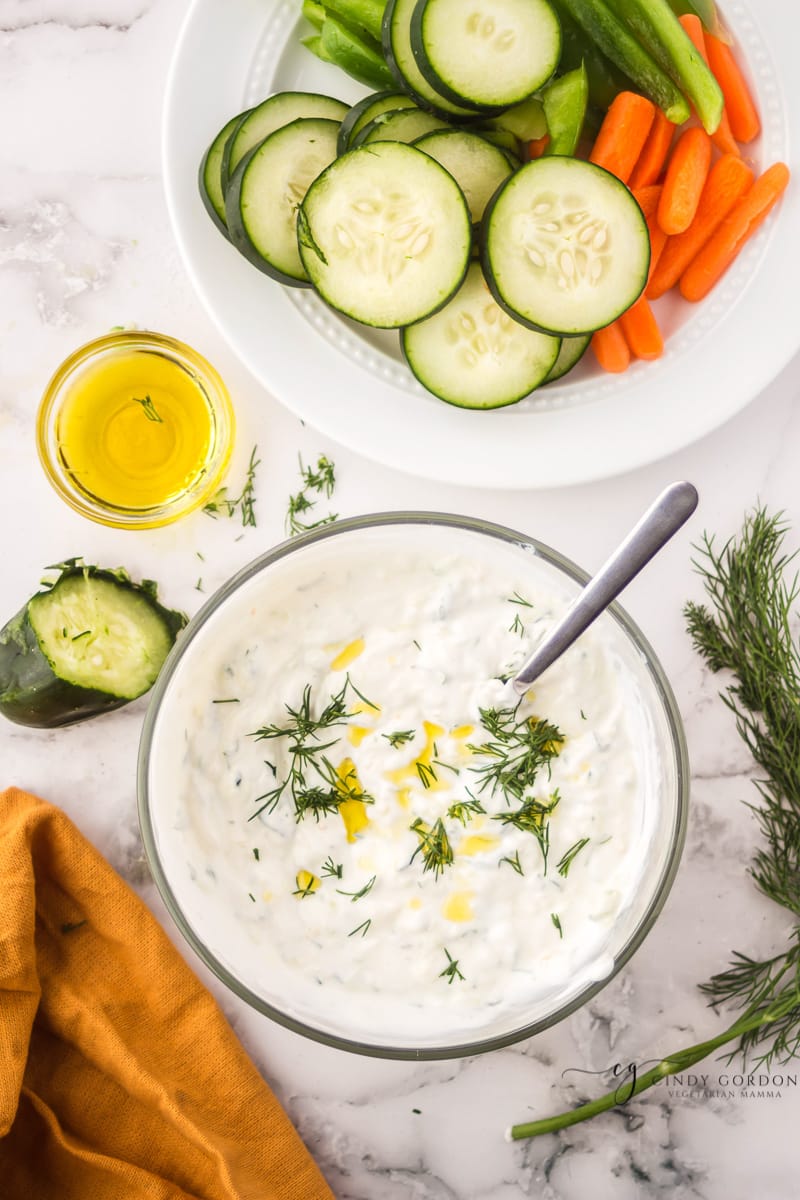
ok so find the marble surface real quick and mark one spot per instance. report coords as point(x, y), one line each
point(85, 244)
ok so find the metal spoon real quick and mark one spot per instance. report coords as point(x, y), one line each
point(664, 518)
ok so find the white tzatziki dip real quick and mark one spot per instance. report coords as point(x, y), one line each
point(334, 829)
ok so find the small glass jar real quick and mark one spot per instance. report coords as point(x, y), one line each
point(135, 430)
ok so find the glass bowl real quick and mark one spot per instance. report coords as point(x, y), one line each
point(135, 430)
point(201, 713)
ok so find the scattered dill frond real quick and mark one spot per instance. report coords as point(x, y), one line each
point(567, 859)
point(319, 481)
point(399, 738)
point(451, 971)
point(222, 505)
point(149, 409)
point(434, 846)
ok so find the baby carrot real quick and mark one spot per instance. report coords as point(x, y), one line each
point(647, 198)
point(623, 134)
point(537, 146)
point(722, 138)
point(684, 181)
point(641, 331)
point(738, 101)
point(741, 223)
point(611, 349)
point(727, 182)
point(654, 155)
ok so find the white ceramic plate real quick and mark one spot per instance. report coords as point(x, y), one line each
point(351, 384)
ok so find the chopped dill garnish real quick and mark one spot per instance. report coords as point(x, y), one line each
point(252, 897)
point(465, 810)
point(517, 599)
point(556, 921)
point(532, 817)
point(569, 857)
point(416, 643)
point(321, 481)
point(78, 636)
point(518, 749)
point(434, 846)
point(362, 928)
point(437, 762)
point(399, 738)
point(361, 696)
point(222, 505)
point(256, 853)
point(149, 409)
point(513, 862)
point(368, 886)
point(426, 773)
point(202, 557)
point(451, 971)
point(198, 587)
point(329, 867)
point(314, 784)
point(516, 626)
point(308, 888)
point(233, 700)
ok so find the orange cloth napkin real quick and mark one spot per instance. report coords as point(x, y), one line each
point(120, 1078)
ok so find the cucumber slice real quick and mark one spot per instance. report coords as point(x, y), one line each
point(473, 355)
point(564, 246)
point(571, 352)
point(266, 189)
point(365, 110)
point(91, 643)
point(488, 53)
point(209, 178)
point(477, 166)
point(273, 113)
point(400, 57)
point(385, 235)
point(401, 125)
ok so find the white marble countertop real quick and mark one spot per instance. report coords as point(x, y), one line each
point(85, 244)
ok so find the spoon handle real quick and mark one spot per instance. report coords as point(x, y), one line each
point(664, 518)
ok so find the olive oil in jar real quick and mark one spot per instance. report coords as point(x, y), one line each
point(135, 429)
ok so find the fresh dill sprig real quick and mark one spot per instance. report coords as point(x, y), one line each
point(518, 750)
point(314, 784)
point(554, 917)
point(514, 862)
point(149, 409)
point(451, 971)
point(365, 890)
point(321, 481)
point(434, 846)
point(465, 810)
point(565, 862)
point(330, 868)
point(400, 738)
point(220, 503)
point(517, 599)
point(748, 630)
point(746, 627)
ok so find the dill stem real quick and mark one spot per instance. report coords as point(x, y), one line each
point(671, 1065)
